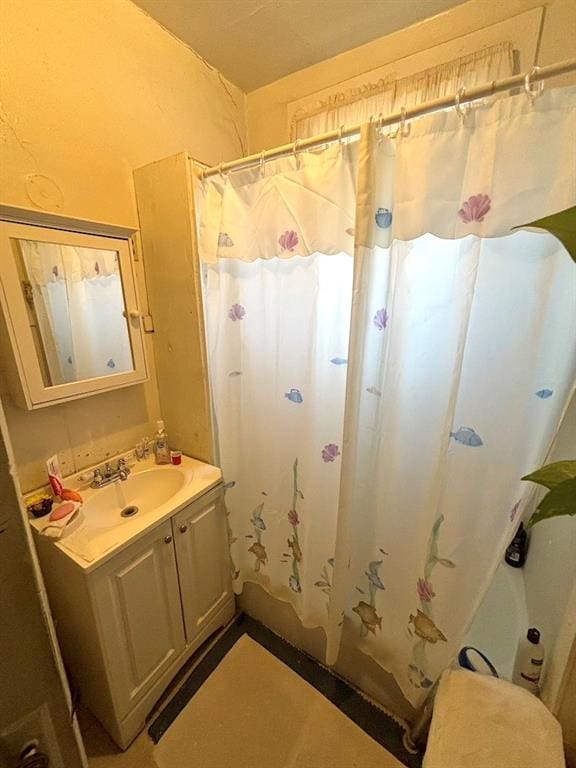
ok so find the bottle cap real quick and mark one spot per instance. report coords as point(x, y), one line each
point(533, 635)
point(160, 425)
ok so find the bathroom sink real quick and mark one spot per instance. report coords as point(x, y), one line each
point(140, 493)
point(112, 517)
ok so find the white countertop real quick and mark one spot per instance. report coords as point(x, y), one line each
point(98, 535)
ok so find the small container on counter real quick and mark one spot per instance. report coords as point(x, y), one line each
point(176, 457)
point(39, 505)
point(161, 447)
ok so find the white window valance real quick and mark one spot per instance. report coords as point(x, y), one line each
point(504, 165)
point(390, 94)
point(509, 161)
point(269, 212)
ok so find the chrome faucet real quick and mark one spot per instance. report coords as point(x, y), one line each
point(109, 475)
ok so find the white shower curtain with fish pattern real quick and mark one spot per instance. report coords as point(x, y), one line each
point(374, 420)
point(277, 242)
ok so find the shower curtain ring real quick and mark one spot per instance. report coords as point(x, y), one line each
point(379, 127)
point(340, 131)
point(220, 171)
point(461, 112)
point(404, 129)
point(262, 163)
point(295, 153)
point(531, 92)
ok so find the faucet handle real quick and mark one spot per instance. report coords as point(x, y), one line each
point(123, 469)
point(97, 478)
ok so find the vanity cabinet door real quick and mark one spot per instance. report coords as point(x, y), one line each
point(139, 615)
point(203, 561)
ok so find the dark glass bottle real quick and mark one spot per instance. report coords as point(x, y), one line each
point(517, 549)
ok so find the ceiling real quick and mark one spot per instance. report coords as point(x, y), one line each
point(254, 42)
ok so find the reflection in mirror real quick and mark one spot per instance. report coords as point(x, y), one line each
point(76, 309)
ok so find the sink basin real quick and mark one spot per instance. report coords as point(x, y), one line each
point(145, 491)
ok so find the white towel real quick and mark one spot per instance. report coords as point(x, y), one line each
point(484, 722)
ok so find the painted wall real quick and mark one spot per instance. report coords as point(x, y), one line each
point(33, 702)
point(267, 106)
point(89, 92)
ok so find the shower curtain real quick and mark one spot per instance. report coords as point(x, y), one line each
point(278, 296)
point(387, 360)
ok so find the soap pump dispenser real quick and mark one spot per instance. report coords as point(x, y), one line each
point(161, 447)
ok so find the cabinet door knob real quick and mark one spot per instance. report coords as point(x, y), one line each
point(167, 539)
point(133, 313)
point(183, 528)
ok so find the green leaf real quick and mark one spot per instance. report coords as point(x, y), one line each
point(552, 475)
point(562, 225)
point(560, 501)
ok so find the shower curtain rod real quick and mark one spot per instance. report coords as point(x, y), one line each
point(463, 96)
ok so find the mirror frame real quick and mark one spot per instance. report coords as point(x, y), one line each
point(33, 391)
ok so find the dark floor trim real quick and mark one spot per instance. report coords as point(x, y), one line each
point(367, 716)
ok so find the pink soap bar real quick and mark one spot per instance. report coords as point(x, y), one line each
point(63, 510)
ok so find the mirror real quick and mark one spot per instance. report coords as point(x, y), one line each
point(70, 309)
point(77, 310)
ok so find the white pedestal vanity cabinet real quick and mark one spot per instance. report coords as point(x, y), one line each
point(130, 617)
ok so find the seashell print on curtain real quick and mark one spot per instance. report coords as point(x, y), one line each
point(476, 208)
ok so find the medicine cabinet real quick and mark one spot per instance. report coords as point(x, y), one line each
point(72, 325)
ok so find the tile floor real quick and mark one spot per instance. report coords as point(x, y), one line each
point(103, 753)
